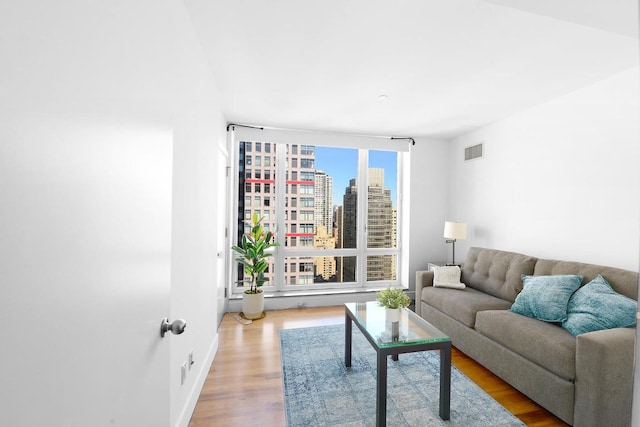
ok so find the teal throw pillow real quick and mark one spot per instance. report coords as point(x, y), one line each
point(596, 306)
point(546, 297)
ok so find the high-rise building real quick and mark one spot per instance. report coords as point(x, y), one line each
point(300, 212)
point(325, 266)
point(324, 200)
point(257, 194)
point(381, 227)
point(337, 225)
point(347, 265)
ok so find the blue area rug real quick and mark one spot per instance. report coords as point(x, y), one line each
point(320, 391)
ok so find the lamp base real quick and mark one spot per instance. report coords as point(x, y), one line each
point(453, 245)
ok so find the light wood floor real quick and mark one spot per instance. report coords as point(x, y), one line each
point(244, 385)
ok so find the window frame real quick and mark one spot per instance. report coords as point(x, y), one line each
point(285, 255)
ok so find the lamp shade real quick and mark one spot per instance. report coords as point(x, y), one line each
point(455, 230)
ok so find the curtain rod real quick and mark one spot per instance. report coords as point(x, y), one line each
point(413, 141)
point(244, 126)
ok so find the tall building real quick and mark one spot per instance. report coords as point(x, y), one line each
point(324, 200)
point(347, 265)
point(325, 266)
point(300, 212)
point(257, 194)
point(381, 227)
point(337, 225)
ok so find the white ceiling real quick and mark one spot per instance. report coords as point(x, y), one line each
point(447, 66)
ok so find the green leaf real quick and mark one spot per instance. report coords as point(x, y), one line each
point(252, 252)
point(393, 298)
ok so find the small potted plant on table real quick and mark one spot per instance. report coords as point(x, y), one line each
point(393, 299)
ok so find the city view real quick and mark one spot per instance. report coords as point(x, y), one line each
point(321, 208)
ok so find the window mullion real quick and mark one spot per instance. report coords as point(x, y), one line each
point(363, 160)
point(399, 215)
point(232, 225)
point(281, 193)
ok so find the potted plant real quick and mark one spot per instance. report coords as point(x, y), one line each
point(393, 299)
point(253, 251)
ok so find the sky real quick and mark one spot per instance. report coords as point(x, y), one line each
point(342, 165)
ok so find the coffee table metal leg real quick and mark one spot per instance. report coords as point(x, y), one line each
point(395, 334)
point(445, 382)
point(347, 340)
point(381, 392)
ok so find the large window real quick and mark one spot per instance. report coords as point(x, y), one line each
point(334, 209)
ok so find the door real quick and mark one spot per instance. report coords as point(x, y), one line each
point(85, 249)
point(223, 237)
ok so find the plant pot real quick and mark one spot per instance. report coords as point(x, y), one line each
point(253, 305)
point(392, 314)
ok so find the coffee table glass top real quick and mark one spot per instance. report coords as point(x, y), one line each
point(410, 329)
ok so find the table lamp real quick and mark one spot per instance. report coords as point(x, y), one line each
point(452, 232)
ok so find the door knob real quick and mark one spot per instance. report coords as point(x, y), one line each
point(176, 327)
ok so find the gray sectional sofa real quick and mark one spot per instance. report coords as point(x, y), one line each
point(584, 380)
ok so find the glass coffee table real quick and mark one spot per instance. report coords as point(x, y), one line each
point(411, 333)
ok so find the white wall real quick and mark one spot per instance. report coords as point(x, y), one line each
point(560, 180)
point(428, 210)
point(199, 128)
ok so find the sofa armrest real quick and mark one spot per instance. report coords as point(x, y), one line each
point(604, 377)
point(424, 278)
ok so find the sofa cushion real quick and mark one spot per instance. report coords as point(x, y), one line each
point(495, 272)
point(545, 344)
point(462, 305)
point(546, 297)
point(624, 282)
point(596, 306)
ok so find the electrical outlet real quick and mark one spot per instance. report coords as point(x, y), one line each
point(183, 373)
point(190, 361)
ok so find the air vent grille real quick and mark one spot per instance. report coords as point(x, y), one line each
point(473, 152)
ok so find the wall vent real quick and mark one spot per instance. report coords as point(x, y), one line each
point(473, 152)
